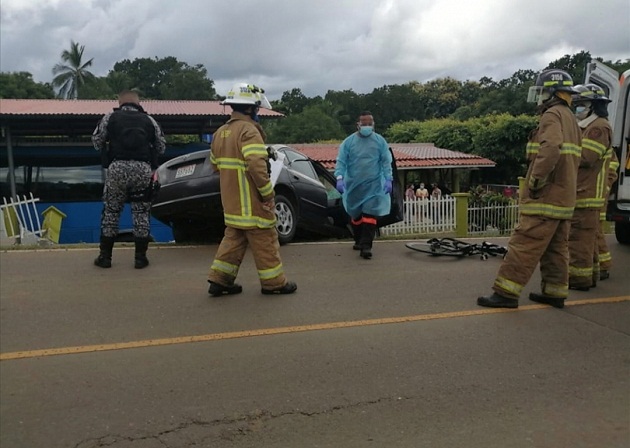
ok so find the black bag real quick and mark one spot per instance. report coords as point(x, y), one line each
point(396, 213)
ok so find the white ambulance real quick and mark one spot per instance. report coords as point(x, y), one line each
point(618, 90)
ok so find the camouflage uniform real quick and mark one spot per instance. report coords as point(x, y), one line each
point(125, 178)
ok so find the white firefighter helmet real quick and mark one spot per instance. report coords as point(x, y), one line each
point(247, 94)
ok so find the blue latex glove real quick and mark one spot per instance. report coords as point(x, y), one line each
point(341, 186)
point(388, 186)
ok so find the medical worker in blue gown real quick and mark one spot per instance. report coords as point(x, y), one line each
point(364, 178)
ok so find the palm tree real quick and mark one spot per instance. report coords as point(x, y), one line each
point(72, 72)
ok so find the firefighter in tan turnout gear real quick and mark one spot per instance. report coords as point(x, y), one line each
point(239, 153)
point(547, 201)
point(591, 110)
point(603, 256)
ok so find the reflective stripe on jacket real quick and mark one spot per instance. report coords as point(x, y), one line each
point(239, 153)
point(554, 151)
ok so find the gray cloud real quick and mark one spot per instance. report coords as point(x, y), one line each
point(316, 46)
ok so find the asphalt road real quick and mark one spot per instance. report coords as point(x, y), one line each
point(388, 352)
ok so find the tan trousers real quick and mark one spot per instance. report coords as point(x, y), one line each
point(603, 253)
point(536, 239)
point(266, 252)
point(582, 246)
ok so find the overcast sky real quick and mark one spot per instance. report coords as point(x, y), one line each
point(316, 45)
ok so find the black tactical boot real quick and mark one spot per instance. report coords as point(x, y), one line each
point(356, 233)
point(104, 259)
point(368, 231)
point(140, 258)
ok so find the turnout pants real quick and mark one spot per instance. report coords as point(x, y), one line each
point(603, 253)
point(536, 239)
point(265, 249)
point(582, 246)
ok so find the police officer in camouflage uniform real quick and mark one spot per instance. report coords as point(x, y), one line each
point(547, 202)
point(135, 141)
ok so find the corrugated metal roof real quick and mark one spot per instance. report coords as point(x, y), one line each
point(408, 156)
point(101, 107)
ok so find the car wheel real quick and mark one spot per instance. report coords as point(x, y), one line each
point(286, 219)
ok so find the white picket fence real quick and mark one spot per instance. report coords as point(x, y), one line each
point(426, 216)
point(19, 220)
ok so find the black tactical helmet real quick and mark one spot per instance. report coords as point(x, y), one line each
point(590, 92)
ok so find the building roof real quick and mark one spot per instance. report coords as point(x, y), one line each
point(408, 156)
point(80, 117)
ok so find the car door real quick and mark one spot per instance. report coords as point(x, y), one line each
point(310, 193)
point(338, 219)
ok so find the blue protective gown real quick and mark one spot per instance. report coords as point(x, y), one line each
point(365, 163)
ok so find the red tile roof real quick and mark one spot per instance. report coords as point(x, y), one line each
point(101, 107)
point(408, 156)
point(79, 117)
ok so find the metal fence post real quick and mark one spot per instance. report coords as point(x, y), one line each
point(461, 214)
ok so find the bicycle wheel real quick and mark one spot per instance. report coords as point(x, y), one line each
point(493, 250)
point(437, 248)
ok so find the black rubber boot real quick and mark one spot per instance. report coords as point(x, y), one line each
point(368, 231)
point(104, 259)
point(140, 260)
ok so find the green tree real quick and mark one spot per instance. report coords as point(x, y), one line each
point(165, 79)
point(313, 124)
point(440, 97)
point(505, 96)
point(501, 138)
point(292, 102)
point(97, 88)
point(574, 65)
point(72, 72)
point(393, 103)
point(351, 104)
point(18, 85)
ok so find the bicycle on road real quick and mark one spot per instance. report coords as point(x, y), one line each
point(452, 247)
